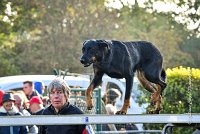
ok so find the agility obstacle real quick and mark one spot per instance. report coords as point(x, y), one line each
point(171, 120)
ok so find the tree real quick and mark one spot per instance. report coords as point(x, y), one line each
point(136, 24)
point(7, 41)
point(184, 12)
point(52, 33)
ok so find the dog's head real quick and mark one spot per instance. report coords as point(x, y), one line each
point(93, 51)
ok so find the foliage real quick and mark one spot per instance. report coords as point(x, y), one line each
point(37, 36)
point(184, 12)
point(179, 94)
point(53, 33)
point(190, 46)
point(7, 45)
point(156, 29)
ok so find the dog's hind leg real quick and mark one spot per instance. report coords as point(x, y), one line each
point(144, 82)
point(126, 105)
point(155, 74)
point(157, 99)
point(157, 96)
point(147, 85)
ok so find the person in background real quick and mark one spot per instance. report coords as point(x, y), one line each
point(8, 109)
point(59, 93)
point(28, 88)
point(36, 105)
point(19, 103)
point(111, 96)
point(2, 92)
point(46, 101)
point(40, 87)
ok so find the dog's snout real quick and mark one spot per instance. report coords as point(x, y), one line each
point(82, 60)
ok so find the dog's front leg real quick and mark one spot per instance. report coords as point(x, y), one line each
point(126, 105)
point(95, 82)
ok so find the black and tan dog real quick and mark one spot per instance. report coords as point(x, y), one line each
point(120, 59)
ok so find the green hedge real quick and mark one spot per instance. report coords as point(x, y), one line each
point(180, 95)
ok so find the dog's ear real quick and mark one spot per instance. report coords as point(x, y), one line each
point(85, 42)
point(103, 43)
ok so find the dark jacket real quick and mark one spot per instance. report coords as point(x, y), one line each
point(67, 109)
point(35, 93)
point(12, 129)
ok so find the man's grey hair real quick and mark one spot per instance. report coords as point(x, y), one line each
point(59, 83)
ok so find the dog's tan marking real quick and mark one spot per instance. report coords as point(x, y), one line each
point(94, 59)
point(125, 107)
point(156, 99)
point(89, 96)
point(145, 83)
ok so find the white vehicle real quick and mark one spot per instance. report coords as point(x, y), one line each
point(16, 82)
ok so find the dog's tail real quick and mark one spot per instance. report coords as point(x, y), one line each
point(144, 82)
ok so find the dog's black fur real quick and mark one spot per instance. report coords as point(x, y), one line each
point(120, 59)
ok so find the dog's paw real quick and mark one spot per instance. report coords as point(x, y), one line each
point(157, 112)
point(154, 112)
point(89, 107)
point(150, 112)
point(120, 113)
point(89, 104)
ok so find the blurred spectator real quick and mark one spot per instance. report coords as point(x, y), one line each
point(36, 105)
point(46, 101)
point(9, 109)
point(28, 88)
point(19, 101)
point(111, 96)
point(40, 87)
point(120, 127)
point(2, 92)
point(110, 109)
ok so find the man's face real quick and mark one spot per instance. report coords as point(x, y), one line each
point(8, 105)
point(34, 107)
point(57, 98)
point(18, 101)
point(27, 89)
